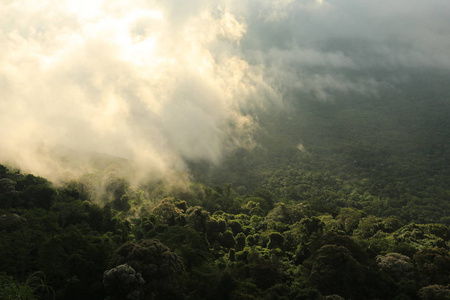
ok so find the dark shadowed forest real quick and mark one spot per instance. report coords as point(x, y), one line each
point(346, 198)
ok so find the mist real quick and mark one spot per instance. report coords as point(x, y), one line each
point(152, 84)
point(159, 83)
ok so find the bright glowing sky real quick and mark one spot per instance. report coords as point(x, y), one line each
point(158, 82)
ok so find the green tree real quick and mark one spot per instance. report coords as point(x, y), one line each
point(276, 240)
point(435, 292)
point(349, 219)
point(433, 266)
point(396, 265)
point(166, 212)
point(122, 282)
point(287, 214)
point(161, 268)
point(335, 271)
point(197, 218)
point(8, 193)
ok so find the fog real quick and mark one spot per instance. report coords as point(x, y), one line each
point(158, 83)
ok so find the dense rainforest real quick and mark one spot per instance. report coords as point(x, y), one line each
point(346, 198)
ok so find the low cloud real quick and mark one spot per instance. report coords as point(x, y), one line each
point(158, 83)
point(154, 85)
point(314, 45)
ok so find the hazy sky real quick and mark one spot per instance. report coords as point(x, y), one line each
point(159, 82)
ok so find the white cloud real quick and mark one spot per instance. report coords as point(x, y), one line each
point(160, 82)
point(131, 80)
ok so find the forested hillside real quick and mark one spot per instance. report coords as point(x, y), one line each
point(340, 199)
point(386, 153)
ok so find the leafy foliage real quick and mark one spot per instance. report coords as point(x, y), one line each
point(346, 199)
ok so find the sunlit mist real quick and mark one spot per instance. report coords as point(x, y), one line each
point(158, 83)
